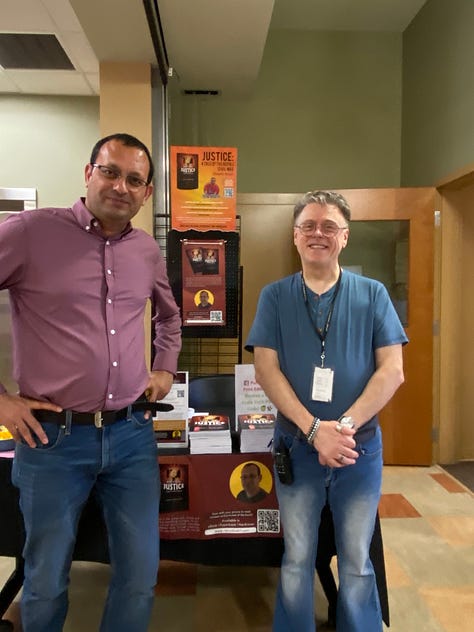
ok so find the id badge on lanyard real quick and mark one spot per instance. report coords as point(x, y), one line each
point(323, 380)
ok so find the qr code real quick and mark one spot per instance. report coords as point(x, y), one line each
point(216, 316)
point(268, 521)
point(228, 192)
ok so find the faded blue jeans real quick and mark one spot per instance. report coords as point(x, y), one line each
point(120, 462)
point(353, 493)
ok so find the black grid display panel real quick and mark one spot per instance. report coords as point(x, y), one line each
point(202, 355)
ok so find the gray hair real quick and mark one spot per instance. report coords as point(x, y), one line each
point(323, 198)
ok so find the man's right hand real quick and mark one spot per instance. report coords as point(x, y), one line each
point(335, 445)
point(16, 416)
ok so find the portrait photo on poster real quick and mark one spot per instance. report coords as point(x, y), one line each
point(251, 482)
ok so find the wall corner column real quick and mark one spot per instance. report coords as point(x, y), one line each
point(126, 106)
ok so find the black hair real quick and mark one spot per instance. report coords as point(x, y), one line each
point(255, 465)
point(128, 141)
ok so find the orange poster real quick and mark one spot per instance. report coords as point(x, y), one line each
point(203, 187)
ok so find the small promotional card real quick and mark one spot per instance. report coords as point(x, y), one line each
point(171, 428)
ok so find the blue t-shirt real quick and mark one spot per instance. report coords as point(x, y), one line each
point(363, 320)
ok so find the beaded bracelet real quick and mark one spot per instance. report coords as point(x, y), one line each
point(313, 431)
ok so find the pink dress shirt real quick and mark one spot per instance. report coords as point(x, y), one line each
point(78, 302)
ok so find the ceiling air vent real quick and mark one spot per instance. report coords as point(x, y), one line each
point(32, 51)
point(211, 93)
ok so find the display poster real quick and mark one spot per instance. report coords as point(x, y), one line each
point(249, 396)
point(203, 282)
point(203, 187)
point(218, 495)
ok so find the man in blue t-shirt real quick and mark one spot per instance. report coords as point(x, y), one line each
point(328, 354)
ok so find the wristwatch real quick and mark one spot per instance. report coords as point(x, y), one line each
point(347, 422)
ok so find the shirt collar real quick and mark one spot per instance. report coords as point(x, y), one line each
point(89, 223)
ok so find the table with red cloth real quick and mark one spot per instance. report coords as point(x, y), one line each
point(201, 521)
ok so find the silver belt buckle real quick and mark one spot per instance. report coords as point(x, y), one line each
point(98, 419)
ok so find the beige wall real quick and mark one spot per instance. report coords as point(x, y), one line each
point(438, 92)
point(267, 251)
point(326, 108)
point(126, 106)
point(45, 144)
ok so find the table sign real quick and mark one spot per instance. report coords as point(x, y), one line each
point(249, 396)
point(202, 497)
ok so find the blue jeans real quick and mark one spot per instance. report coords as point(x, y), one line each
point(353, 493)
point(120, 462)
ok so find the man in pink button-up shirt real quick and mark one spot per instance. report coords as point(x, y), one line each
point(79, 279)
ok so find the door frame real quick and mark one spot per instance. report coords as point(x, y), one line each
point(454, 351)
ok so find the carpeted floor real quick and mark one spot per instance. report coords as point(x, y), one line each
point(463, 471)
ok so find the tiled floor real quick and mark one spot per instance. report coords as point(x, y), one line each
point(428, 531)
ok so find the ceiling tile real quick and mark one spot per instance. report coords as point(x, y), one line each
point(63, 15)
point(50, 82)
point(24, 16)
point(94, 81)
point(6, 83)
point(80, 51)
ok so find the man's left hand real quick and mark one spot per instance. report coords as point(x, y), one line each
point(159, 385)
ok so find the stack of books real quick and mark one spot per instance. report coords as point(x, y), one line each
point(210, 434)
point(256, 432)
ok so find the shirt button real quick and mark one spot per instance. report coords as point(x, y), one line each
point(112, 331)
point(110, 396)
point(109, 271)
point(109, 301)
point(114, 363)
point(107, 243)
point(88, 227)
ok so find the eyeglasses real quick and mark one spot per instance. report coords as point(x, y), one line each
point(133, 182)
point(327, 229)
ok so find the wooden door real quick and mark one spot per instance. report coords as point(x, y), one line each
point(267, 253)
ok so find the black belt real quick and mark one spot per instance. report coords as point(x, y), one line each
point(101, 417)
